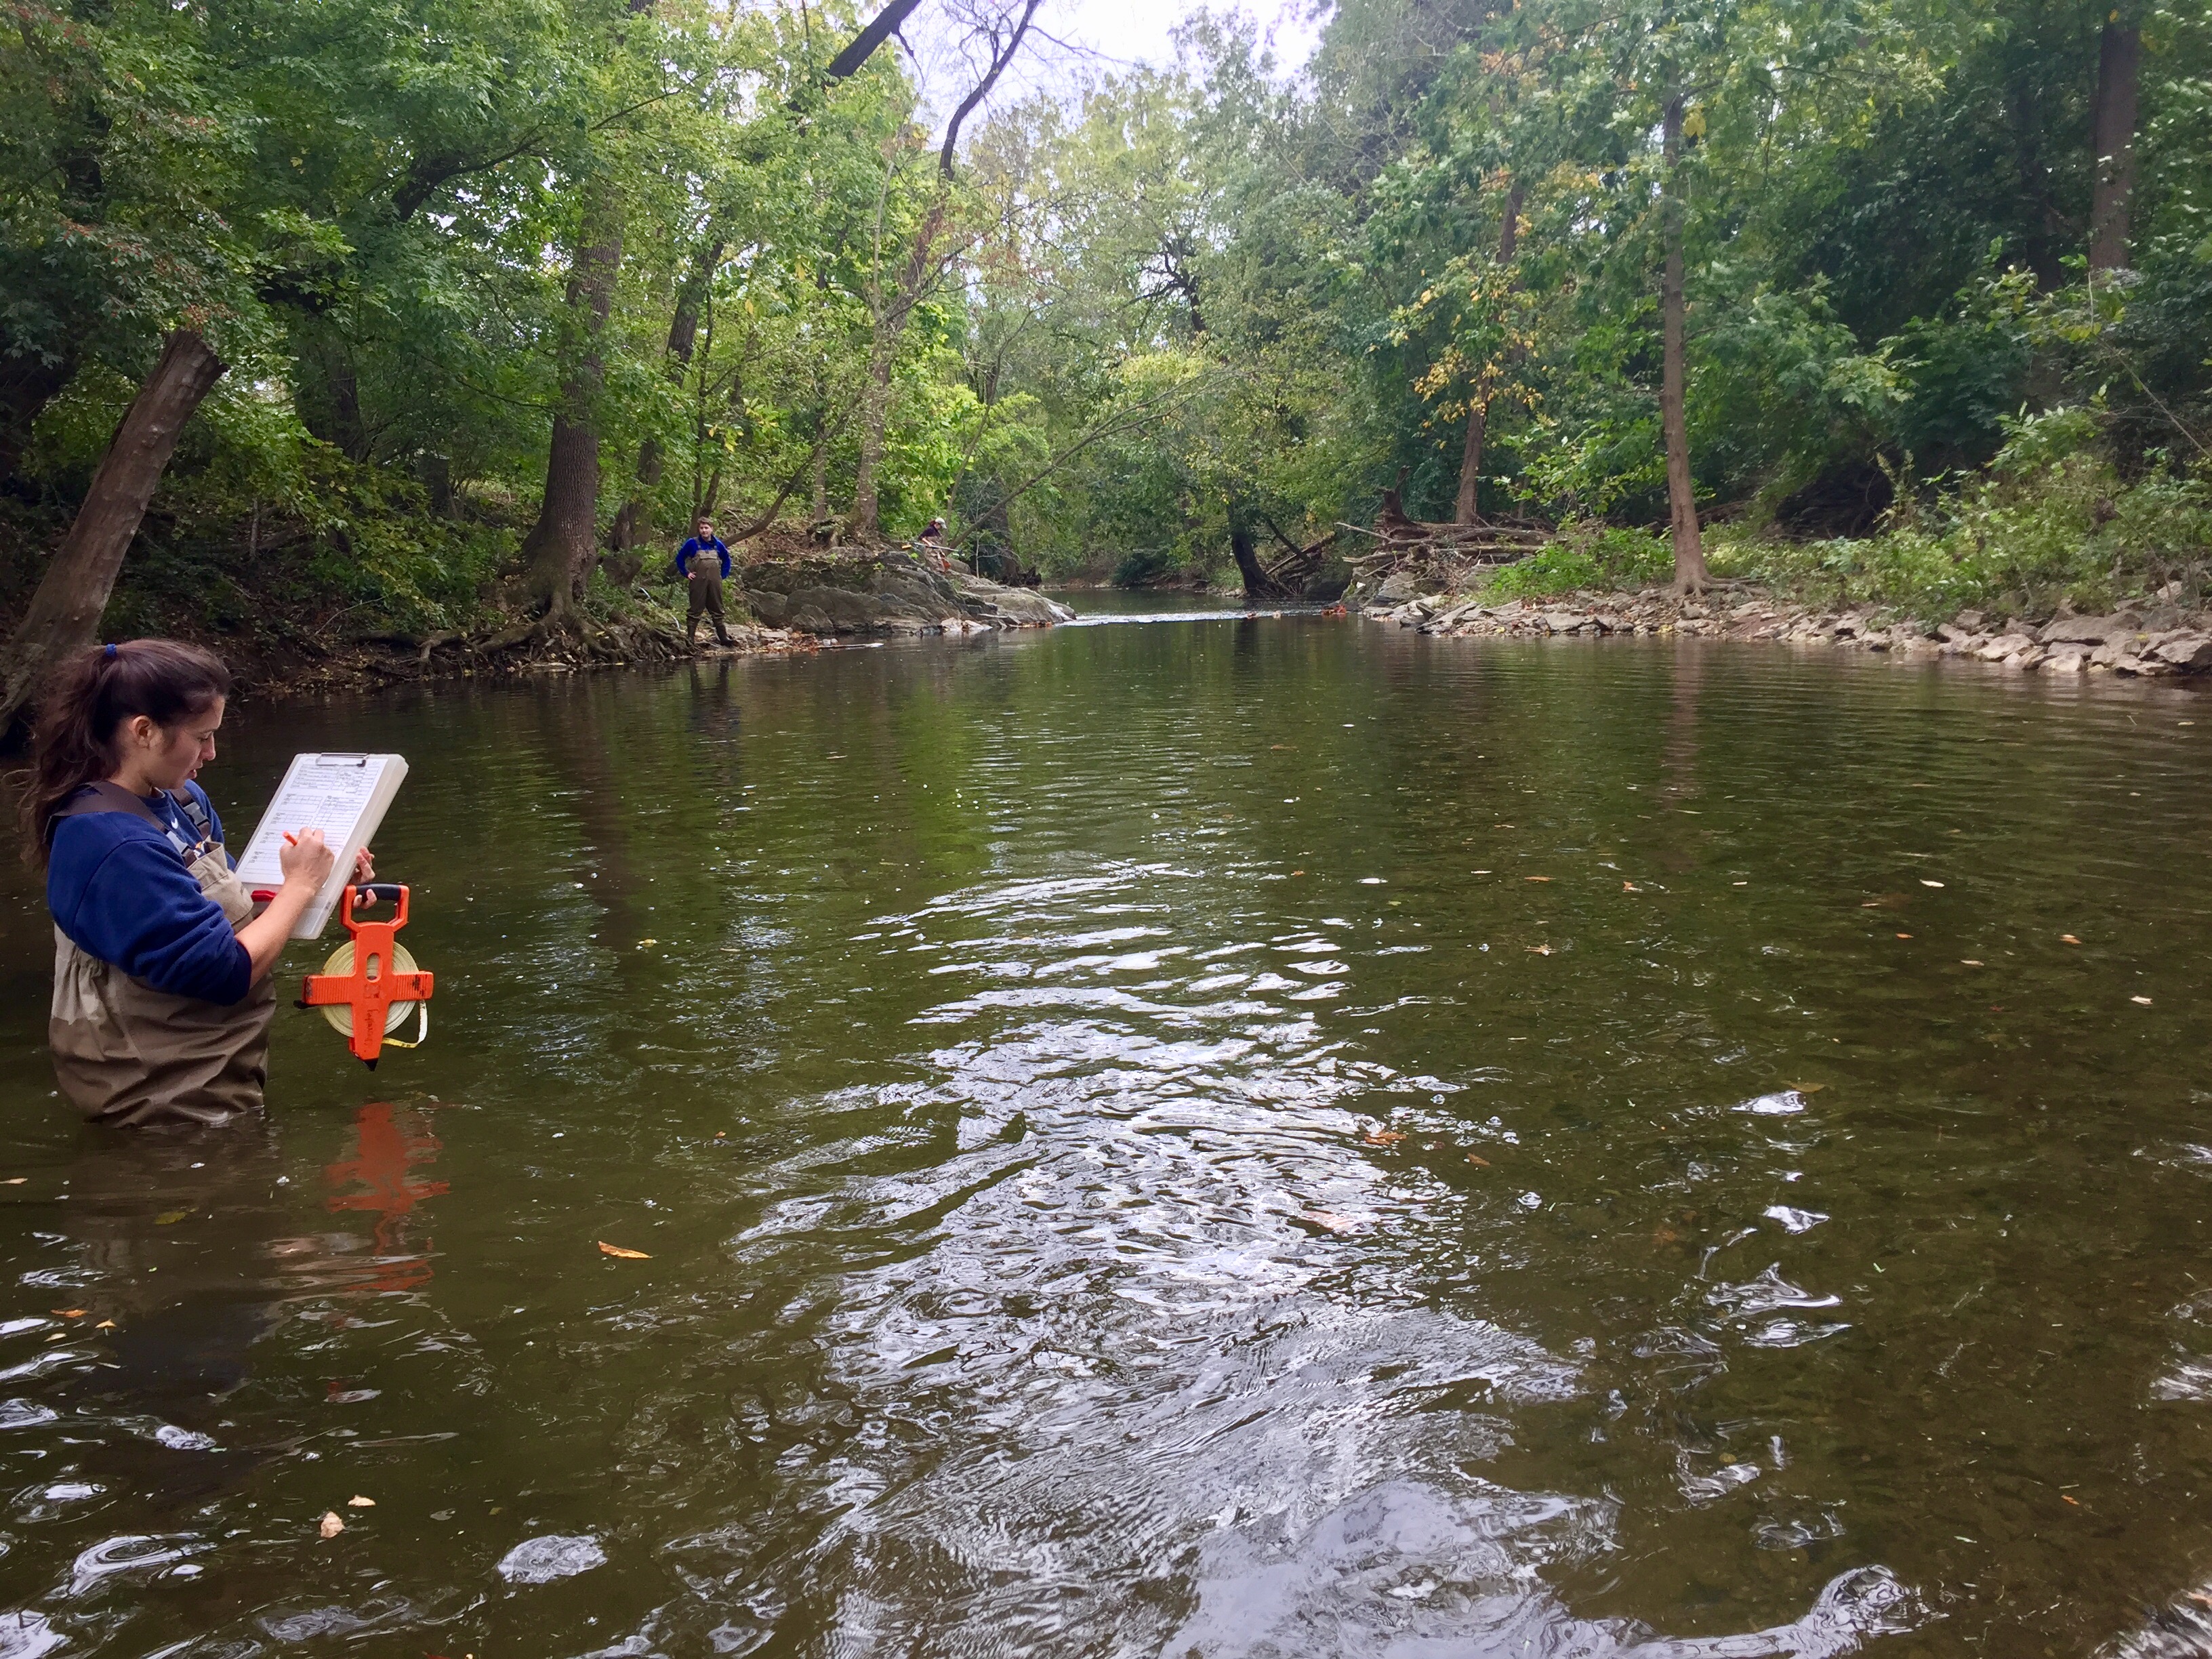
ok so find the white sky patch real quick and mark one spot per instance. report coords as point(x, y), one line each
point(1075, 40)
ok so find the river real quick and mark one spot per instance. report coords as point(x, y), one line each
point(1198, 1136)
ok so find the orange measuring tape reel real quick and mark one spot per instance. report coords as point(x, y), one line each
point(371, 982)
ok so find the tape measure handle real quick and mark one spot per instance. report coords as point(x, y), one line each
point(372, 892)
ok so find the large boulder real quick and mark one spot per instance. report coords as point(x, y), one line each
point(2089, 630)
point(888, 593)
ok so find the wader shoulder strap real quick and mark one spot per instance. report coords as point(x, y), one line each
point(106, 797)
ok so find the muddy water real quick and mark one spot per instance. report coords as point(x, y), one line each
point(1212, 1137)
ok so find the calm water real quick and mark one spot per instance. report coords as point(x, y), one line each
point(1216, 1137)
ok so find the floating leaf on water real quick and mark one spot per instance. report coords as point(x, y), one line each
point(2068, 938)
point(1478, 1160)
point(1924, 882)
point(1905, 936)
point(105, 1325)
point(642, 943)
point(1809, 1088)
point(15, 1181)
point(1384, 1137)
point(1535, 879)
point(1539, 949)
point(606, 1248)
point(1630, 887)
point(2144, 1000)
point(1969, 962)
point(70, 1312)
point(171, 1218)
point(332, 1526)
point(1297, 872)
point(541, 1561)
point(358, 1502)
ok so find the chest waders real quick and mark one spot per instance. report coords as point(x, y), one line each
point(705, 596)
point(127, 1054)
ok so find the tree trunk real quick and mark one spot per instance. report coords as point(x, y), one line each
point(2119, 69)
point(1258, 584)
point(351, 431)
point(29, 382)
point(63, 616)
point(875, 414)
point(631, 525)
point(920, 276)
point(560, 547)
point(1467, 509)
point(1689, 574)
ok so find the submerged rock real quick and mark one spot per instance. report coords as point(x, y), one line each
point(556, 1555)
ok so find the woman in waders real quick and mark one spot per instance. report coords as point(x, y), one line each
point(162, 996)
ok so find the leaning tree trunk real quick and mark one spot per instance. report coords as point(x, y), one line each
point(1258, 584)
point(1467, 509)
point(2119, 72)
point(63, 616)
point(560, 548)
point(1690, 575)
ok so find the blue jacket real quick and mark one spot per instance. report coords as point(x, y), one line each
point(713, 544)
point(119, 890)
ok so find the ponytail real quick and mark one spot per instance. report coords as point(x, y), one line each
point(91, 695)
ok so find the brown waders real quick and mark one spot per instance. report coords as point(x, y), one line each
point(127, 1054)
point(705, 596)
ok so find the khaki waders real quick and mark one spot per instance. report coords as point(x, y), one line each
point(705, 596)
point(127, 1054)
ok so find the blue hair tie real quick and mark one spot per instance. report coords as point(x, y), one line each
point(110, 652)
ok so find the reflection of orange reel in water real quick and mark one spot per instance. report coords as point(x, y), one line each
point(370, 984)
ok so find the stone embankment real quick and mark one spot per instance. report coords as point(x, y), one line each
point(888, 594)
point(2151, 641)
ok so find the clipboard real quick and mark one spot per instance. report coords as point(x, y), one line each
point(345, 797)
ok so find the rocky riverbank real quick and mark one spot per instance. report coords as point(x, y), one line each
point(779, 604)
point(2151, 641)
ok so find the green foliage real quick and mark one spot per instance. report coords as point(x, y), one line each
point(1182, 301)
point(2053, 521)
point(1588, 556)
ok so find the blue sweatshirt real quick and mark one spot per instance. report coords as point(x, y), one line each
point(712, 544)
point(119, 890)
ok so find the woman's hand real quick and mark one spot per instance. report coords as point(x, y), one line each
point(364, 866)
point(307, 862)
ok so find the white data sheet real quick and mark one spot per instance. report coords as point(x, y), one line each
point(345, 796)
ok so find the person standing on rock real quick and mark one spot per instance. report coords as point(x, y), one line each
point(932, 546)
point(705, 575)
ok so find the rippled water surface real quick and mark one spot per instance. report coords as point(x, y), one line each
point(1197, 1137)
